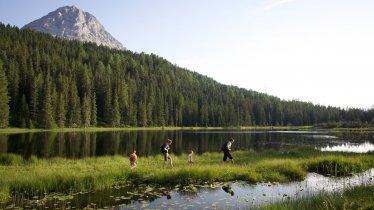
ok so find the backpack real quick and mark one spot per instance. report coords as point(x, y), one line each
point(162, 148)
point(224, 146)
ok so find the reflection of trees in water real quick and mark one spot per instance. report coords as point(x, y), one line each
point(188, 194)
point(3, 143)
point(147, 143)
point(367, 136)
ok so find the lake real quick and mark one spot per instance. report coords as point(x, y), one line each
point(147, 143)
point(219, 195)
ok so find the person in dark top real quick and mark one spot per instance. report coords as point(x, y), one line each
point(165, 150)
point(226, 147)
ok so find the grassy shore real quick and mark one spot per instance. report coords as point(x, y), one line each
point(38, 176)
point(360, 197)
point(100, 129)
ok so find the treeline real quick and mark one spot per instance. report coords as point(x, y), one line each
point(50, 82)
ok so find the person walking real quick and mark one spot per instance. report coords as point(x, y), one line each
point(165, 150)
point(133, 159)
point(226, 148)
point(189, 158)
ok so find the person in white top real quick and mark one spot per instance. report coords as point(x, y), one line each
point(189, 159)
point(226, 147)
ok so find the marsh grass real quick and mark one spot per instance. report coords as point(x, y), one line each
point(360, 197)
point(338, 165)
point(35, 176)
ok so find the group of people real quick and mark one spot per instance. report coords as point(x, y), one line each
point(164, 149)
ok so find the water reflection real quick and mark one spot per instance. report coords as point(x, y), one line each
point(350, 147)
point(228, 190)
point(217, 196)
point(147, 143)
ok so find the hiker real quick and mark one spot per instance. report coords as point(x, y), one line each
point(189, 158)
point(133, 159)
point(226, 147)
point(165, 150)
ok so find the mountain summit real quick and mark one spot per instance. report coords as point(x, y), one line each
point(72, 23)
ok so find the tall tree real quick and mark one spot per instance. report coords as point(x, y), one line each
point(116, 117)
point(86, 111)
point(93, 110)
point(74, 110)
point(46, 112)
point(61, 111)
point(108, 105)
point(4, 98)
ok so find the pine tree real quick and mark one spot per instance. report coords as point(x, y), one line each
point(116, 115)
point(93, 110)
point(46, 112)
point(61, 111)
point(24, 112)
point(86, 111)
point(74, 110)
point(108, 108)
point(4, 98)
point(34, 95)
point(13, 81)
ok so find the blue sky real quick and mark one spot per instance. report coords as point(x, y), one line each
point(312, 50)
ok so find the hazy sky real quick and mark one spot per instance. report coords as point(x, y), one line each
point(312, 50)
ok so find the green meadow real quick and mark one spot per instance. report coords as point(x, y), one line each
point(35, 176)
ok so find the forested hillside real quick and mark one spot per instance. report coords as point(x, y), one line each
point(53, 82)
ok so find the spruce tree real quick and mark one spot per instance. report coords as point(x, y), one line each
point(4, 98)
point(93, 110)
point(116, 115)
point(46, 112)
point(86, 111)
point(61, 111)
point(108, 107)
point(74, 110)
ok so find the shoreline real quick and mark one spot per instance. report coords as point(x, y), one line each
point(159, 128)
point(170, 128)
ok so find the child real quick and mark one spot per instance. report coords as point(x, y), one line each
point(133, 159)
point(189, 159)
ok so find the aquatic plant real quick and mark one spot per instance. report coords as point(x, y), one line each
point(355, 198)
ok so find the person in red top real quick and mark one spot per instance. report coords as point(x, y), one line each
point(133, 159)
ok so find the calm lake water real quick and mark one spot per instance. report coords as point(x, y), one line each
point(147, 143)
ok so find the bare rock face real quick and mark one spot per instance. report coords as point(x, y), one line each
point(72, 23)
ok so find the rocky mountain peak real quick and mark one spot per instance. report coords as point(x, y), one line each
point(72, 23)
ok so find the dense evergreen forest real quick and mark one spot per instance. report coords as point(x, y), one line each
point(50, 82)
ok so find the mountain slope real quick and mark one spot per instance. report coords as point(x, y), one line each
point(72, 23)
point(58, 82)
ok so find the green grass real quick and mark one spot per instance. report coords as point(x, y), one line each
point(360, 197)
point(38, 176)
